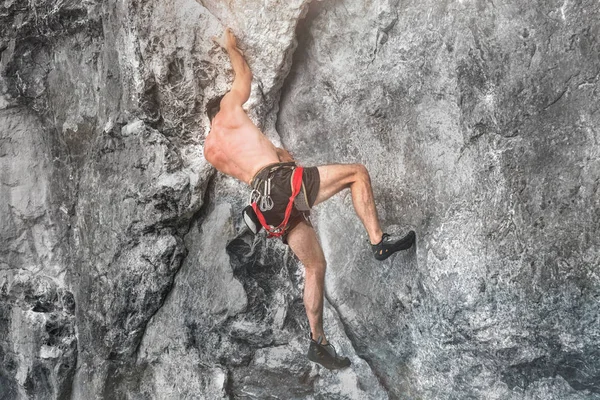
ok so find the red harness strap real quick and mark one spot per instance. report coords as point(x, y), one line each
point(280, 230)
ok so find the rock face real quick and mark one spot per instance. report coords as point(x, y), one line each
point(478, 122)
point(125, 271)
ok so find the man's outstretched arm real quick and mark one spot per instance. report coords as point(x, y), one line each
point(240, 90)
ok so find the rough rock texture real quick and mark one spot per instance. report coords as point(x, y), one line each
point(125, 271)
point(479, 123)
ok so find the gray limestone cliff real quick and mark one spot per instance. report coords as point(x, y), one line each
point(125, 269)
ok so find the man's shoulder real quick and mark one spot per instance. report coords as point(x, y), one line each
point(231, 115)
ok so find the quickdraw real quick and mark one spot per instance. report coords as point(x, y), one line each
point(266, 202)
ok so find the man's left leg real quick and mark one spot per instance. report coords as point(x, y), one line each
point(303, 241)
point(337, 177)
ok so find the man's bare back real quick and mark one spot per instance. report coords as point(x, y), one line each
point(235, 146)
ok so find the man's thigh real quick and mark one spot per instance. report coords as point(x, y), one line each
point(304, 243)
point(334, 178)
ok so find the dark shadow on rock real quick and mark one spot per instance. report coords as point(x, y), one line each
point(259, 268)
point(262, 268)
point(575, 368)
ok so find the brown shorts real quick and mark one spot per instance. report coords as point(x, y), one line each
point(281, 190)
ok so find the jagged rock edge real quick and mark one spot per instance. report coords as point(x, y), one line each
point(197, 215)
point(284, 72)
point(351, 337)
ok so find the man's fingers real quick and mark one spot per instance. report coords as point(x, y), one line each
point(217, 40)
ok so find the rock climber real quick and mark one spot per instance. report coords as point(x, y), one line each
point(236, 147)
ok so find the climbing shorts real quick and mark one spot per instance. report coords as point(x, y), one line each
point(281, 190)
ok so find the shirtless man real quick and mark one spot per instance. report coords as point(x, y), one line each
point(236, 147)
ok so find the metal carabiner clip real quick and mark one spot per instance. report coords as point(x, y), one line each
point(254, 196)
point(266, 203)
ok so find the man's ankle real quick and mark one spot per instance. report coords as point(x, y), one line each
point(376, 239)
point(319, 338)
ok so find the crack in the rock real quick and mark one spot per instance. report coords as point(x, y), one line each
point(353, 341)
point(228, 385)
point(299, 29)
point(306, 17)
point(563, 92)
point(560, 96)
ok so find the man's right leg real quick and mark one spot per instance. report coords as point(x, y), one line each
point(303, 241)
point(334, 178)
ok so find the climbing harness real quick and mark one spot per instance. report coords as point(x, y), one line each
point(261, 201)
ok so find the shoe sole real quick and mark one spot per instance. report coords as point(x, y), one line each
point(328, 366)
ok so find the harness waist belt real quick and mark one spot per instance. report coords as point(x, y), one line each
point(263, 174)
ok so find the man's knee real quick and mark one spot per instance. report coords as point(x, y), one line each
point(361, 172)
point(317, 265)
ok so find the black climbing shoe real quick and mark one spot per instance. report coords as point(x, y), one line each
point(389, 245)
point(326, 355)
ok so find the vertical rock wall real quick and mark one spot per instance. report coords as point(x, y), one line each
point(479, 123)
point(124, 268)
